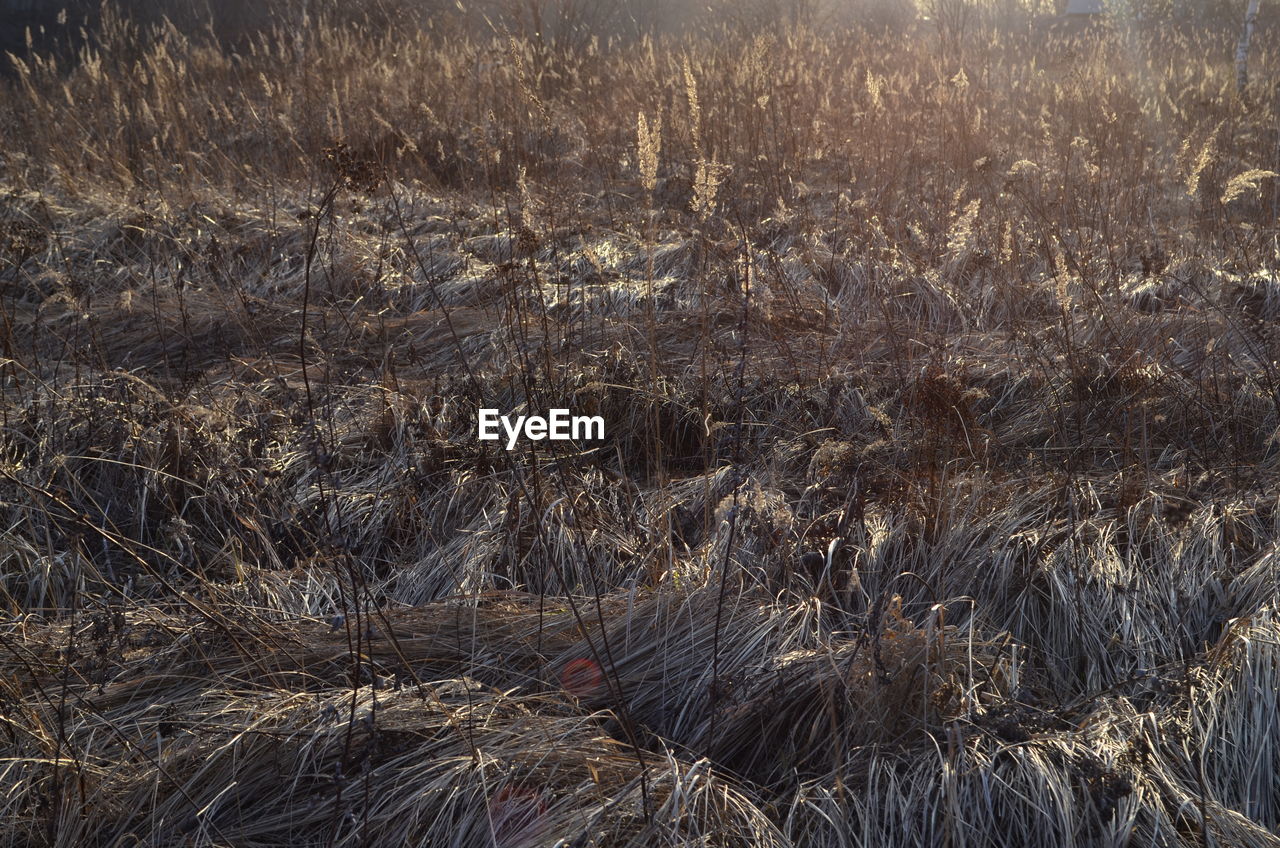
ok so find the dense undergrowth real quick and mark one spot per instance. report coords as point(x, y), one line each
point(937, 504)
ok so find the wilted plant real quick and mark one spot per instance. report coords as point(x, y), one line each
point(937, 497)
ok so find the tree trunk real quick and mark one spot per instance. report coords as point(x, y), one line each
point(1242, 49)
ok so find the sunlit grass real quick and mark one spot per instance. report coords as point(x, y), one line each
point(937, 504)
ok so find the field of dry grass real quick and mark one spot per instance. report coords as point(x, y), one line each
point(938, 501)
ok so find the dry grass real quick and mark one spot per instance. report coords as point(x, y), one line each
point(938, 504)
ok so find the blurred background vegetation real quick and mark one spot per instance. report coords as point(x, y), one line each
point(51, 24)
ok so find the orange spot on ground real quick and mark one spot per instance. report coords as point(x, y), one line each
point(581, 677)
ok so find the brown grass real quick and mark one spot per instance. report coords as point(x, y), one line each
point(938, 500)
